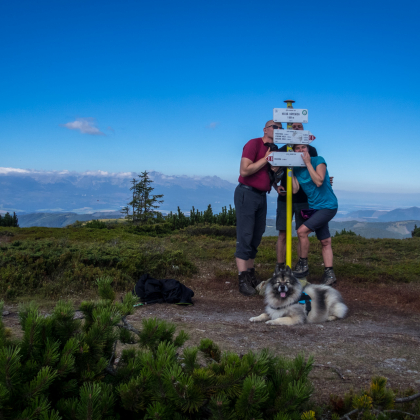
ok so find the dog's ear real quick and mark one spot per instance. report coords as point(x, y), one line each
point(288, 271)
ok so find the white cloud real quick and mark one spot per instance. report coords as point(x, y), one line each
point(85, 126)
point(8, 170)
point(213, 125)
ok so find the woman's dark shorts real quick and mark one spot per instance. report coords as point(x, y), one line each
point(318, 223)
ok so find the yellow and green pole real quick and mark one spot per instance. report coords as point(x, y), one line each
point(289, 193)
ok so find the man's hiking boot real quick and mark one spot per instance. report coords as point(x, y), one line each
point(255, 281)
point(245, 284)
point(302, 268)
point(328, 278)
point(279, 267)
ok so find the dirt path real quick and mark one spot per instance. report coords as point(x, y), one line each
point(375, 338)
point(380, 336)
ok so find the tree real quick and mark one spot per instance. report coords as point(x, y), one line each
point(415, 232)
point(9, 221)
point(143, 203)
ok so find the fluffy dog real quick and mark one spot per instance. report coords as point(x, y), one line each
point(318, 303)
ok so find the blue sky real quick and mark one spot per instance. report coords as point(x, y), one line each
point(179, 87)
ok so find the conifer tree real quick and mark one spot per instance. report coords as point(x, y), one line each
point(144, 203)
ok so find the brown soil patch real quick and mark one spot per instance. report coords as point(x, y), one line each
point(380, 336)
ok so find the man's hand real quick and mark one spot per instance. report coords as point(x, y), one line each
point(267, 152)
point(280, 189)
point(331, 180)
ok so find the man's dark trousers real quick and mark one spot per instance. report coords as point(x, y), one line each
point(251, 214)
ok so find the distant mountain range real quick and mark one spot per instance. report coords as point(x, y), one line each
point(28, 191)
point(393, 230)
point(396, 215)
point(59, 220)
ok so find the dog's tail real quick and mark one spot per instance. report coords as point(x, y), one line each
point(339, 310)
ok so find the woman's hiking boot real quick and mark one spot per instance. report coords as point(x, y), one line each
point(245, 284)
point(302, 268)
point(328, 278)
point(255, 281)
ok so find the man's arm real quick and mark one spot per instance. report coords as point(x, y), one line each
point(248, 167)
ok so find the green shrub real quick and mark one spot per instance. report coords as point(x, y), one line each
point(54, 267)
point(96, 224)
point(157, 229)
point(210, 230)
point(66, 368)
point(345, 232)
point(415, 232)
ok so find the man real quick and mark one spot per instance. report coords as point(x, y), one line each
point(251, 205)
point(299, 202)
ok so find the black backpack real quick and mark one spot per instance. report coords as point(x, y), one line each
point(151, 290)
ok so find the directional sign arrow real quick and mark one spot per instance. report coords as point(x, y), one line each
point(285, 159)
point(293, 137)
point(290, 115)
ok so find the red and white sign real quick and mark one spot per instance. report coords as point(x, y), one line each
point(293, 137)
point(285, 159)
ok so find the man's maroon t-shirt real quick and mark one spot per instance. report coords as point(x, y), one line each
point(255, 150)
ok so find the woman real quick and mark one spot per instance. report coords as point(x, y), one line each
point(323, 205)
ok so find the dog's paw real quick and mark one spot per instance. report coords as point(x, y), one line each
point(271, 322)
point(253, 319)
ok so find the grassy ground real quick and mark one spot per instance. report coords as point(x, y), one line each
point(51, 262)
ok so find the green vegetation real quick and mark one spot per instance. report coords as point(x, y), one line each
point(65, 368)
point(59, 262)
point(225, 218)
point(345, 232)
point(96, 224)
point(143, 204)
point(8, 220)
point(142, 210)
point(375, 402)
point(416, 232)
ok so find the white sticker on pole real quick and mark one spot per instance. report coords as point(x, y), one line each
point(293, 137)
point(285, 159)
point(290, 115)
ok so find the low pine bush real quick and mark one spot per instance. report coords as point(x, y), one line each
point(67, 368)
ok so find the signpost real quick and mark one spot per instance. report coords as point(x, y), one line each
point(290, 115)
point(293, 137)
point(289, 158)
point(285, 159)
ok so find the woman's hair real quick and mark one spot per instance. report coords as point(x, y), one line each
point(311, 150)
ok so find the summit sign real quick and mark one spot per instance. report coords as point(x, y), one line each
point(290, 115)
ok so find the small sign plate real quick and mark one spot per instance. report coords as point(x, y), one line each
point(285, 159)
point(290, 115)
point(293, 137)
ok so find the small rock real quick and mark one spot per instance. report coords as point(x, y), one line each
point(5, 313)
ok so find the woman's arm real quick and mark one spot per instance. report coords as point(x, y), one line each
point(317, 175)
point(295, 185)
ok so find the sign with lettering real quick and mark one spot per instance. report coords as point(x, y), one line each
point(293, 137)
point(291, 115)
point(285, 159)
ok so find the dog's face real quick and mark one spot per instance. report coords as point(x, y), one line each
point(284, 284)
